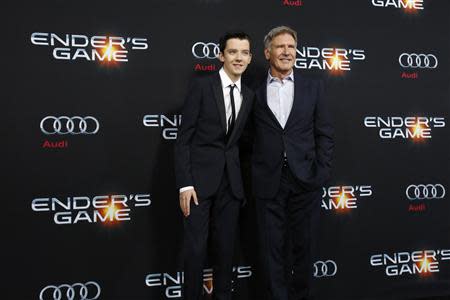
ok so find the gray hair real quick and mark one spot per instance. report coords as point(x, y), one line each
point(277, 31)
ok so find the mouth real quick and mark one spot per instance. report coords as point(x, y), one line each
point(285, 59)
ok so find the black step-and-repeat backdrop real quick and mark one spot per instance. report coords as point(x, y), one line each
point(93, 93)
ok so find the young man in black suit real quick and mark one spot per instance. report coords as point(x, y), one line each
point(207, 166)
point(291, 160)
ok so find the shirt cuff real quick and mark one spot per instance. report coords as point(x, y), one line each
point(186, 188)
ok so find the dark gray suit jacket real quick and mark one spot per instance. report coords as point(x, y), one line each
point(307, 139)
point(202, 153)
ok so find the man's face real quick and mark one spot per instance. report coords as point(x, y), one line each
point(282, 52)
point(236, 56)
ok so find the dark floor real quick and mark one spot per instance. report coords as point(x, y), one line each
point(435, 298)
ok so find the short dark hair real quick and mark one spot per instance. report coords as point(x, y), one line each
point(232, 35)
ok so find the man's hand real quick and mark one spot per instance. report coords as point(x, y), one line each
point(185, 201)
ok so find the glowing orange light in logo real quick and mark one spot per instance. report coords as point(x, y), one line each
point(418, 132)
point(335, 62)
point(109, 213)
point(424, 265)
point(108, 52)
point(341, 203)
point(410, 6)
point(208, 286)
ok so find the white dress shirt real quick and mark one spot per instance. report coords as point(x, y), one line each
point(280, 96)
point(226, 82)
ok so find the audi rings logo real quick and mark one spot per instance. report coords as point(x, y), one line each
point(77, 291)
point(326, 268)
point(69, 125)
point(205, 50)
point(425, 191)
point(418, 61)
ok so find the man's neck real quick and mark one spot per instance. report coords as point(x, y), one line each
point(280, 75)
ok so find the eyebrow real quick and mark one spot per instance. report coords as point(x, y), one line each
point(282, 45)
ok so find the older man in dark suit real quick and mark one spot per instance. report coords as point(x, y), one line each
point(291, 160)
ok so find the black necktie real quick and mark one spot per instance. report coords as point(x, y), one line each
point(232, 118)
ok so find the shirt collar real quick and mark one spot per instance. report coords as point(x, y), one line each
point(226, 81)
point(270, 78)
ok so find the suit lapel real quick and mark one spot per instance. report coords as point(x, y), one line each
point(220, 101)
point(262, 97)
point(299, 88)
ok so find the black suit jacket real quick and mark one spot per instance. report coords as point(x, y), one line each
point(307, 139)
point(202, 153)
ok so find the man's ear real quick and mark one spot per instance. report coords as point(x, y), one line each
point(267, 53)
point(221, 57)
